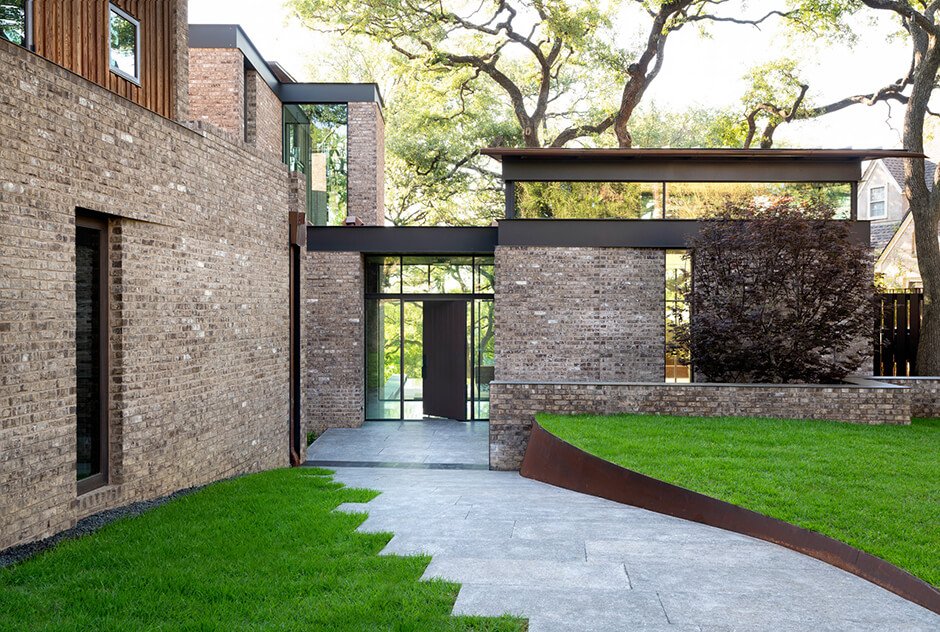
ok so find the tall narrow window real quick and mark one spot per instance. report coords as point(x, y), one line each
point(16, 18)
point(124, 44)
point(678, 282)
point(91, 392)
point(876, 203)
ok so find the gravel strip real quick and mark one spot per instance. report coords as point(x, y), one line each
point(86, 526)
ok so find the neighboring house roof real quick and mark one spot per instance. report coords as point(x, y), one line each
point(895, 167)
point(895, 240)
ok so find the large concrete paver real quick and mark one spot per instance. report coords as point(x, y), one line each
point(568, 561)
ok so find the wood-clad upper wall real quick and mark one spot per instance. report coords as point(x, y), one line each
point(75, 35)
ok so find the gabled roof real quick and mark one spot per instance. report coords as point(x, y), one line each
point(895, 167)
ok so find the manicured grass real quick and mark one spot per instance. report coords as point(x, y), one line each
point(258, 552)
point(874, 487)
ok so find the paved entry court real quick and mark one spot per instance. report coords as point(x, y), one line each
point(568, 561)
point(438, 444)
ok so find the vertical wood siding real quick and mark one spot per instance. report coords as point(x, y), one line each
point(74, 34)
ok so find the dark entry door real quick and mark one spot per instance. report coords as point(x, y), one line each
point(445, 359)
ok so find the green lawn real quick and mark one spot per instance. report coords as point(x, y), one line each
point(257, 552)
point(874, 487)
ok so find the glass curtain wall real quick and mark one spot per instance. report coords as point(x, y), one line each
point(666, 200)
point(315, 144)
point(678, 282)
point(397, 288)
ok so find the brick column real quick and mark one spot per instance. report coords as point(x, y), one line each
point(334, 320)
point(180, 45)
point(217, 88)
point(366, 167)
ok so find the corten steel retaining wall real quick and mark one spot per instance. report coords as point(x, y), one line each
point(514, 404)
point(553, 461)
point(199, 297)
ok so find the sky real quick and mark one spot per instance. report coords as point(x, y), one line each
point(699, 69)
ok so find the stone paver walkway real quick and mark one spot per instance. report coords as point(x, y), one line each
point(434, 444)
point(568, 561)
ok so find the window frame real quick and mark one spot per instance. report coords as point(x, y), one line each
point(112, 8)
point(27, 42)
point(883, 201)
point(102, 478)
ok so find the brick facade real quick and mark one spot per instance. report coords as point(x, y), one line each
point(263, 124)
point(581, 314)
point(924, 393)
point(217, 89)
point(198, 287)
point(335, 322)
point(366, 165)
point(513, 405)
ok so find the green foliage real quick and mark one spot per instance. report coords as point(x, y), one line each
point(328, 136)
point(873, 487)
point(784, 296)
point(588, 200)
point(13, 21)
point(259, 552)
point(695, 126)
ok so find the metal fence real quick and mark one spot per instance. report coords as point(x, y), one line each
point(897, 332)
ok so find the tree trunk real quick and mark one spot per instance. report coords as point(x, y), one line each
point(928, 260)
point(924, 203)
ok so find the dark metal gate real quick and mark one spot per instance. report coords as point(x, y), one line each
point(897, 332)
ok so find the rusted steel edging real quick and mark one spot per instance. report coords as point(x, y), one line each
point(551, 460)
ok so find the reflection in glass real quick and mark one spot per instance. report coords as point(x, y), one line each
point(437, 275)
point(315, 143)
point(484, 353)
point(384, 380)
point(395, 354)
point(13, 27)
point(589, 200)
point(124, 43)
point(678, 282)
point(485, 275)
point(383, 275)
point(88, 351)
point(693, 200)
point(413, 348)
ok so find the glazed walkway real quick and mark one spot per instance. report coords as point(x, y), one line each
point(573, 562)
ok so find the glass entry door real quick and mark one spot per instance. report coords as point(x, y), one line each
point(429, 337)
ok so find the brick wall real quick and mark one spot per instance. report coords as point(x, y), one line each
point(263, 125)
point(335, 332)
point(199, 287)
point(925, 393)
point(179, 45)
point(217, 88)
point(513, 405)
point(581, 314)
point(366, 166)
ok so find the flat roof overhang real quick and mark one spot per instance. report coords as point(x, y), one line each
point(288, 92)
point(562, 233)
point(686, 165)
point(396, 240)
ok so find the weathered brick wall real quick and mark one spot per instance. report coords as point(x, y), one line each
point(366, 167)
point(199, 286)
point(513, 405)
point(263, 126)
point(179, 45)
point(335, 332)
point(924, 393)
point(581, 314)
point(217, 88)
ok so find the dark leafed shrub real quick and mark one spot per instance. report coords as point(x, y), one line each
point(778, 296)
